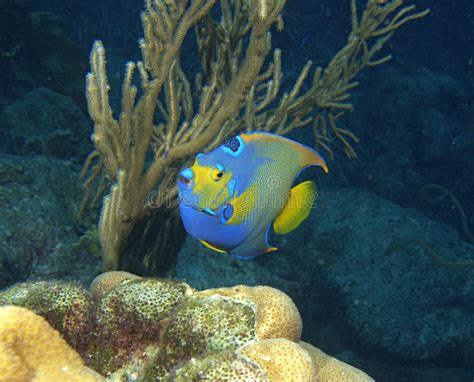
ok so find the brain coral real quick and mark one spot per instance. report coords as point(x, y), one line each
point(130, 317)
point(203, 325)
point(105, 282)
point(276, 314)
point(226, 366)
point(31, 350)
point(282, 359)
point(66, 306)
point(331, 369)
point(141, 301)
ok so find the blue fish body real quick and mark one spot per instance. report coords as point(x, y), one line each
point(230, 197)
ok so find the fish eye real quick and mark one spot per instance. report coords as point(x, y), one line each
point(217, 173)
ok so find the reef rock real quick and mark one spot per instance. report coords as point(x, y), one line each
point(44, 122)
point(38, 234)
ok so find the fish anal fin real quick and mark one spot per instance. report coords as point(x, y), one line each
point(212, 246)
point(297, 208)
point(255, 254)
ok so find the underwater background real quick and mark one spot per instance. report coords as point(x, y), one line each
point(382, 271)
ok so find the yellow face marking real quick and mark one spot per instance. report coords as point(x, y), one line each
point(210, 183)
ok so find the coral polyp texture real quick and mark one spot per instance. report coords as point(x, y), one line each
point(105, 282)
point(148, 329)
point(226, 366)
point(276, 314)
point(282, 360)
point(130, 317)
point(331, 369)
point(31, 350)
point(66, 306)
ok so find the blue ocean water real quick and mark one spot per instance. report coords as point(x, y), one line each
point(382, 271)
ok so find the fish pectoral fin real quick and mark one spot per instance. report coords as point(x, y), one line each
point(297, 208)
point(244, 205)
point(212, 246)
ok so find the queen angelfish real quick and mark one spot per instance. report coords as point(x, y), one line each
point(231, 196)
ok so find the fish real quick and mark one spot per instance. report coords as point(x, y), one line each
point(230, 197)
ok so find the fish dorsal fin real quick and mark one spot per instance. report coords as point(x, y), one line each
point(310, 157)
point(307, 156)
point(244, 205)
point(297, 208)
point(211, 246)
